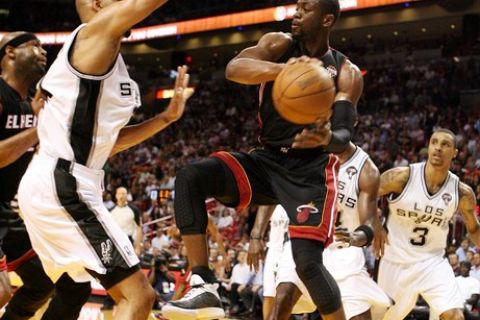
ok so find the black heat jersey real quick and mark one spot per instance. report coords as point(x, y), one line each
point(15, 116)
point(276, 131)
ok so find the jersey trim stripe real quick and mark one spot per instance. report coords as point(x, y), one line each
point(84, 119)
point(86, 219)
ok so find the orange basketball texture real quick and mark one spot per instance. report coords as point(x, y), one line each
point(303, 92)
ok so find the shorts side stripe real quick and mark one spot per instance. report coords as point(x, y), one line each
point(243, 184)
point(87, 221)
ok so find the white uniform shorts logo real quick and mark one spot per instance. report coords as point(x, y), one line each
point(447, 197)
point(107, 252)
point(351, 171)
point(332, 70)
point(304, 211)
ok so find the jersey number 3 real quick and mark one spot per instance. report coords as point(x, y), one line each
point(420, 236)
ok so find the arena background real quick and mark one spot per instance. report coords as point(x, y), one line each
point(420, 60)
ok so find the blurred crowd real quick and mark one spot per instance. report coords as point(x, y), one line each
point(58, 16)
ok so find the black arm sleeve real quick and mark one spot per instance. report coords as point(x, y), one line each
point(342, 121)
point(136, 213)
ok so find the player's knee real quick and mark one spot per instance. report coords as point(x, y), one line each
point(148, 298)
point(453, 314)
point(5, 294)
point(190, 214)
point(186, 176)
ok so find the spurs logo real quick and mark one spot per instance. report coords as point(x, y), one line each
point(332, 70)
point(351, 171)
point(304, 212)
point(447, 197)
point(107, 251)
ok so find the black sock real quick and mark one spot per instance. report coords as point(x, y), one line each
point(206, 274)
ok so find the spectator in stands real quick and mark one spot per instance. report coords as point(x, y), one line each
point(469, 286)
point(161, 240)
point(241, 278)
point(161, 280)
point(475, 271)
point(463, 249)
point(454, 263)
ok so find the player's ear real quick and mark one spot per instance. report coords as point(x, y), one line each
point(455, 153)
point(328, 20)
point(10, 52)
point(97, 5)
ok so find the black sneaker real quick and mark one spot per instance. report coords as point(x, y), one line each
point(201, 302)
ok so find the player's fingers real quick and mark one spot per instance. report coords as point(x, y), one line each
point(186, 79)
point(177, 79)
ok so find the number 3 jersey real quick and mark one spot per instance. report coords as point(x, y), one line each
point(418, 221)
point(343, 261)
point(84, 114)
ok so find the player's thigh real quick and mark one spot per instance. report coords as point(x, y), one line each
point(250, 177)
point(396, 281)
point(360, 293)
point(440, 289)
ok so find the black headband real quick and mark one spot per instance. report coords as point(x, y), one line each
point(15, 42)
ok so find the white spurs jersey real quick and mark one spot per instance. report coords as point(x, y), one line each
point(84, 114)
point(341, 261)
point(418, 222)
point(278, 228)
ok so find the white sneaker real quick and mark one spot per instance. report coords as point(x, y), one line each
point(201, 302)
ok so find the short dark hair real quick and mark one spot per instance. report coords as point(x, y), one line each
point(466, 264)
point(447, 131)
point(331, 6)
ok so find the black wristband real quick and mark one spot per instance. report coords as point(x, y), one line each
point(342, 121)
point(255, 238)
point(368, 232)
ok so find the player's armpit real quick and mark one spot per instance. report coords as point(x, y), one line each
point(466, 207)
point(393, 181)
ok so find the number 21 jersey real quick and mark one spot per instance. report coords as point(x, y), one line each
point(418, 221)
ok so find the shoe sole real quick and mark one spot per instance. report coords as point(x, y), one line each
point(175, 313)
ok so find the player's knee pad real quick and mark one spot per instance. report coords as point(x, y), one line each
point(190, 211)
point(320, 284)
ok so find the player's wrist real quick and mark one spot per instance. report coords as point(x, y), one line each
point(367, 230)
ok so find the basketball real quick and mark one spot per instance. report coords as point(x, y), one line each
point(303, 92)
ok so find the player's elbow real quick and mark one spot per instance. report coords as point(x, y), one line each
point(230, 71)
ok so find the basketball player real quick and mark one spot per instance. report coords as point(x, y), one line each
point(91, 99)
point(23, 62)
point(294, 165)
point(423, 197)
point(358, 182)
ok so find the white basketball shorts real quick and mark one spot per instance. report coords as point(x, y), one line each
point(69, 227)
point(432, 278)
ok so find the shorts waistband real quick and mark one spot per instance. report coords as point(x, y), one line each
point(293, 151)
point(71, 166)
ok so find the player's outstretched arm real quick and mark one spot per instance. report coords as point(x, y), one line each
point(97, 44)
point(255, 249)
point(393, 181)
point(466, 207)
point(255, 65)
point(132, 135)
